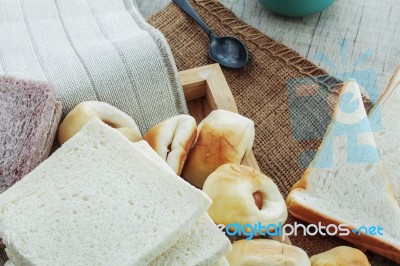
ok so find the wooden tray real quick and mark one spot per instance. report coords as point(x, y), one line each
point(206, 90)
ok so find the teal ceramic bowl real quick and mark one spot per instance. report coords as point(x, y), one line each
point(296, 8)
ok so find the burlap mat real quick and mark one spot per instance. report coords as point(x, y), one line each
point(289, 98)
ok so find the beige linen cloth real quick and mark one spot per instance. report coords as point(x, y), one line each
point(92, 50)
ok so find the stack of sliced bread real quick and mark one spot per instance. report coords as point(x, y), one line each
point(354, 182)
point(103, 200)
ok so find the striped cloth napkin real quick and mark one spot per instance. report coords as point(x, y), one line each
point(92, 50)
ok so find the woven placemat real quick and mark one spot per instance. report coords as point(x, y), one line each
point(289, 98)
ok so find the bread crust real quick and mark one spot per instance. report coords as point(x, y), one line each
point(389, 89)
point(223, 137)
point(53, 131)
point(302, 182)
point(371, 243)
point(188, 144)
point(172, 140)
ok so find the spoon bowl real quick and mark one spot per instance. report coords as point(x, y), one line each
point(228, 51)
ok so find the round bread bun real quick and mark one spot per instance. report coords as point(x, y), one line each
point(110, 115)
point(340, 256)
point(242, 194)
point(261, 252)
point(223, 137)
point(172, 139)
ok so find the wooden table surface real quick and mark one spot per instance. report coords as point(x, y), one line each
point(358, 38)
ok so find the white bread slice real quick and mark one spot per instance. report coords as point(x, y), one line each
point(357, 194)
point(205, 244)
point(387, 115)
point(97, 201)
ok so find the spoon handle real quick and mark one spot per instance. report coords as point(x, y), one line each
point(185, 6)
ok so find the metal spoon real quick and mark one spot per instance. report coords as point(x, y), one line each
point(227, 50)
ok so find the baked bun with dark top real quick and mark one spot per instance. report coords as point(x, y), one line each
point(223, 137)
point(172, 140)
point(243, 194)
point(86, 111)
point(340, 256)
point(263, 252)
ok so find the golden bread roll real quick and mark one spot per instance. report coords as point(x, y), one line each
point(340, 256)
point(223, 137)
point(263, 252)
point(172, 139)
point(110, 115)
point(244, 195)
